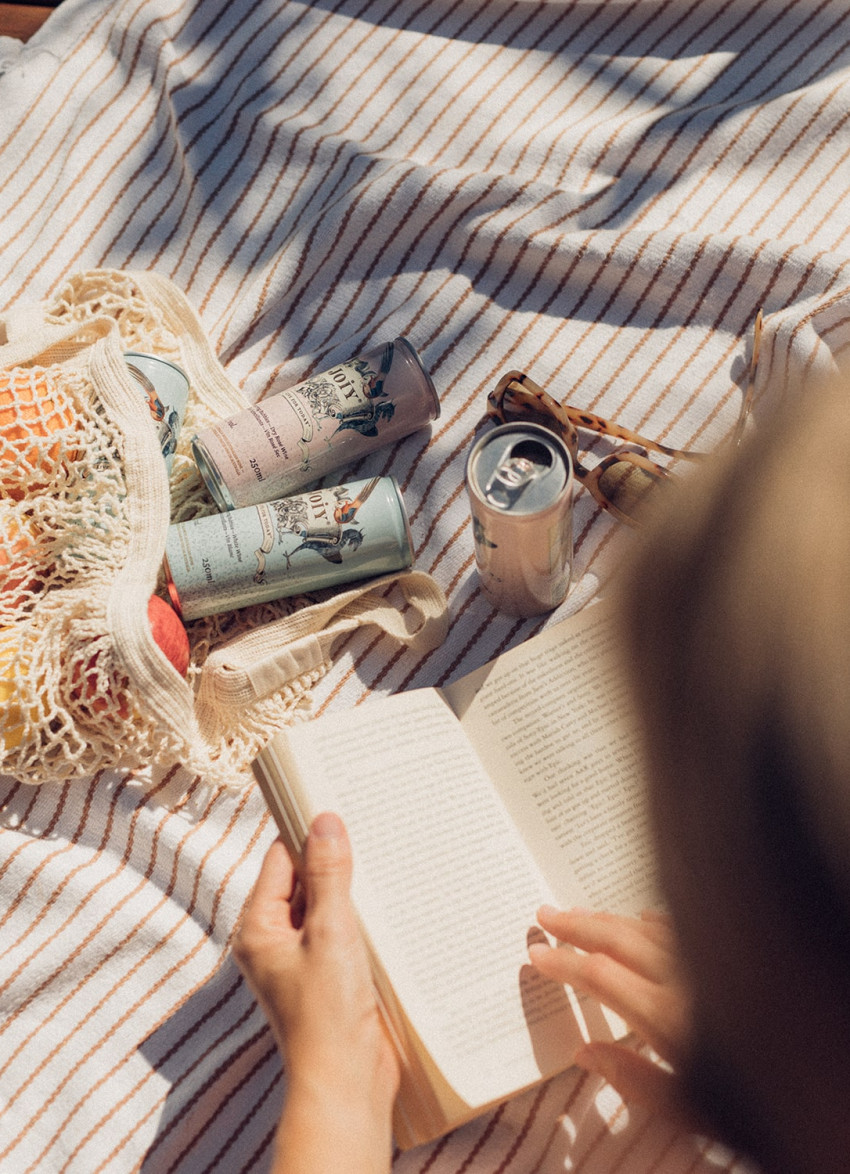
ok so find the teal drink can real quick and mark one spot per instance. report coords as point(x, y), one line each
point(165, 386)
point(285, 547)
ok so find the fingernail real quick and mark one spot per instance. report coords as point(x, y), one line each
point(547, 911)
point(327, 826)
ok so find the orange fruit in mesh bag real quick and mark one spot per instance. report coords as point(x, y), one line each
point(18, 548)
point(31, 410)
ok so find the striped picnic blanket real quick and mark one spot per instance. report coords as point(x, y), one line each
point(601, 194)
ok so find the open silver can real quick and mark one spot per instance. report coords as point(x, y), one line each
point(519, 478)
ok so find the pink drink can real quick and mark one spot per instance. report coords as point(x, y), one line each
point(519, 478)
point(297, 436)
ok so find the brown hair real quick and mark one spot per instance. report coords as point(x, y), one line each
point(736, 616)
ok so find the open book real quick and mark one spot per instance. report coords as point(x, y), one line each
point(468, 807)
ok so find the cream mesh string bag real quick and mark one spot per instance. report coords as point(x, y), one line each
point(85, 503)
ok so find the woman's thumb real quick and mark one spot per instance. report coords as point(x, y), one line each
point(326, 864)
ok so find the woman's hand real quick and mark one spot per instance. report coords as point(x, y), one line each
point(300, 949)
point(630, 965)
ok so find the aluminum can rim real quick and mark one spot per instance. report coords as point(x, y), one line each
point(530, 430)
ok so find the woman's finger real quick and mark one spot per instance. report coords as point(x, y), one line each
point(657, 916)
point(268, 917)
point(636, 1078)
point(645, 947)
point(654, 1010)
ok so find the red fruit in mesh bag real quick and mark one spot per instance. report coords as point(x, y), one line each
point(169, 633)
point(93, 689)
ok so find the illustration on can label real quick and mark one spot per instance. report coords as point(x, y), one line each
point(350, 396)
point(283, 547)
point(294, 437)
point(324, 521)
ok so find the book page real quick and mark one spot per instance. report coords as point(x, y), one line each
point(444, 886)
point(551, 721)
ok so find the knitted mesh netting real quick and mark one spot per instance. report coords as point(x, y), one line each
point(85, 502)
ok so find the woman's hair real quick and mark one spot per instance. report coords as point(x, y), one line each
point(736, 616)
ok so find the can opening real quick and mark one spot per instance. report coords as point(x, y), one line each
point(534, 451)
point(525, 462)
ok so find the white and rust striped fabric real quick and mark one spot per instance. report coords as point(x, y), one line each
point(601, 194)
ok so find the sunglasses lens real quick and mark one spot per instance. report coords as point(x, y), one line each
point(626, 486)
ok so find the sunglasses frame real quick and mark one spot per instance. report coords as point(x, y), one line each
point(532, 403)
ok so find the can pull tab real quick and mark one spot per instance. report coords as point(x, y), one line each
point(526, 462)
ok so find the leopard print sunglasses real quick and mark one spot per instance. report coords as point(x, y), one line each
point(621, 481)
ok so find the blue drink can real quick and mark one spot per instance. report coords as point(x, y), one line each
point(519, 478)
point(166, 388)
point(285, 547)
point(297, 436)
